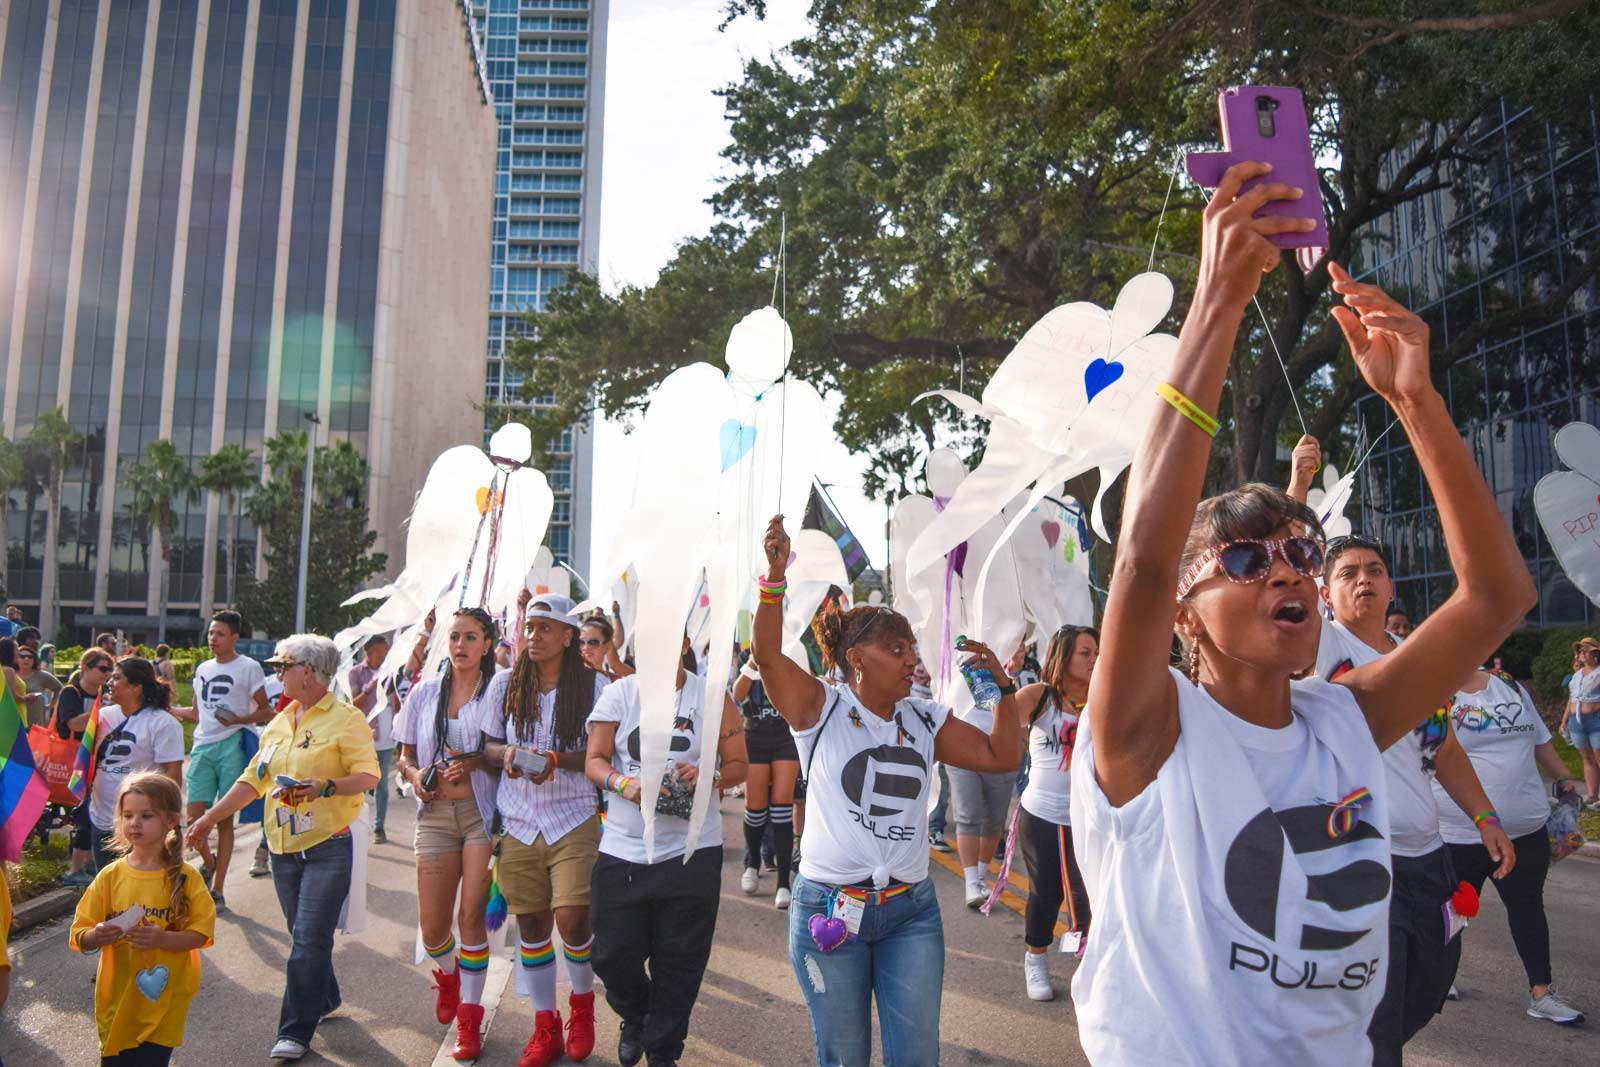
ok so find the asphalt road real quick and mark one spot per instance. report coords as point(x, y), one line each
point(750, 1009)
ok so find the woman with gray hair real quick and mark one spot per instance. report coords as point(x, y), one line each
point(315, 765)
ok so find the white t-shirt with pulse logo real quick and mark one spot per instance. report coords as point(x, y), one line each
point(623, 836)
point(1498, 727)
point(867, 790)
point(1413, 811)
point(229, 687)
point(1230, 925)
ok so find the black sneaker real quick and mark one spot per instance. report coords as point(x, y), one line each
point(661, 1061)
point(379, 837)
point(219, 901)
point(630, 1046)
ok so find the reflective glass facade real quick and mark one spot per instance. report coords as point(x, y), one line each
point(1509, 230)
point(545, 63)
point(198, 262)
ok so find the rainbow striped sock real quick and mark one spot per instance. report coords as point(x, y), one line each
point(539, 971)
point(474, 962)
point(442, 953)
point(579, 971)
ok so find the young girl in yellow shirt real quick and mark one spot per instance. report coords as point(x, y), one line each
point(150, 915)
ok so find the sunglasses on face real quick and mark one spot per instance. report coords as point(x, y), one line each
point(590, 642)
point(1244, 562)
point(284, 667)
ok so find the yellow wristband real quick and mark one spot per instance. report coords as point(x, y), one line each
point(1187, 408)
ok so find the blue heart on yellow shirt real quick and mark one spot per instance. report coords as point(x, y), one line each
point(152, 982)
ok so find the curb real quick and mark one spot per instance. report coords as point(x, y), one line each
point(1589, 850)
point(41, 909)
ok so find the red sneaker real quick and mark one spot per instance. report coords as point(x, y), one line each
point(545, 1046)
point(469, 1032)
point(580, 1026)
point(449, 987)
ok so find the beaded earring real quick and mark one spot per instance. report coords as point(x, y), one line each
point(1194, 663)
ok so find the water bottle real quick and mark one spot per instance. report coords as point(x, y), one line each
point(985, 690)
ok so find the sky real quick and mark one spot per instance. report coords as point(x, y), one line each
point(664, 129)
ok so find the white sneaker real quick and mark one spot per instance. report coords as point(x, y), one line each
point(1036, 969)
point(287, 1048)
point(1551, 1006)
point(782, 900)
point(1454, 993)
point(750, 880)
point(977, 892)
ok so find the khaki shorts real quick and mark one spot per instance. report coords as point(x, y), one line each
point(537, 877)
point(449, 826)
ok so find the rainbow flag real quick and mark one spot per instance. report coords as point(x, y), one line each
point(23, 792)
point(83, 762)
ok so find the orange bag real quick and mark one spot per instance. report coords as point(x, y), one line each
point(54, 755)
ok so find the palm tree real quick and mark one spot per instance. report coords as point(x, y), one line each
point(156, 483)
point(13, 475)
point(227, 472)
point(55, 441)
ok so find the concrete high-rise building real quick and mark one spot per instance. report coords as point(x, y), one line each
point(216, 217)
point(546, 68)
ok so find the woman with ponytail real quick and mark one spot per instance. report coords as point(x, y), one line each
point(534, 720)
point(864, 918)
point(149, 915)
point(1043, 824)
point(137, 733)
point(441, 756)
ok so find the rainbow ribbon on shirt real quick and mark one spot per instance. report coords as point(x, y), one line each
point(1345, 814)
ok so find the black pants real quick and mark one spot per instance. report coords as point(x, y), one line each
point(1053, 877)
point(1521, 891)
point(145, 1054)
point(1421, 964)
point(664, 914)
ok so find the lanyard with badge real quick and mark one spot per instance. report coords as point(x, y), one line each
point(287, 813)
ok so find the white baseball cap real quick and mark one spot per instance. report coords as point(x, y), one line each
point(555, 607)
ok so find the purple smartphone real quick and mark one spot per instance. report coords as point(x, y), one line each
point(1268, 123)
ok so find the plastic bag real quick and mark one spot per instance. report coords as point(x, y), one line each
point(1562, 827)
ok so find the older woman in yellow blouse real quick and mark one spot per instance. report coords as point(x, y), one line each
point(325, 747)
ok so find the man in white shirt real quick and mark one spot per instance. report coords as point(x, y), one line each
point(1422, 959)
point(230, 699)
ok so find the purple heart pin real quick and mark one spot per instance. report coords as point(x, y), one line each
point(1098, 375)
point(829, 933)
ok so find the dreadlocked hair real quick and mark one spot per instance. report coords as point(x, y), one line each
point(1057, 655)
point(486, 667)
point(574, 697)
point(163, 795)
point(839, 631)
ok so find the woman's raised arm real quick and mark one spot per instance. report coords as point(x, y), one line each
point(1133, 711)
point(795, 694)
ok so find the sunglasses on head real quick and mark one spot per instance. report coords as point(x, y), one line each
point(1244, 562)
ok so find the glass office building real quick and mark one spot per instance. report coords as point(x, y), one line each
point(546, 69)
point(216, 217)
point(1507, 233)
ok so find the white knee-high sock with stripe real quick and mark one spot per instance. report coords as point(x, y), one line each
point(539, 967)
point(473, 962)
point(443, 956)
point(579, 970)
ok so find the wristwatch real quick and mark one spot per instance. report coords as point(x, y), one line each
point(328, 788)
point(1007, 690)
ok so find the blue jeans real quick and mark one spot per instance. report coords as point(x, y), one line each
point(380, 801)
point(311, 889)
point(898, 957)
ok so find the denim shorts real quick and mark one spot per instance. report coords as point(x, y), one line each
point(1584, 730)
